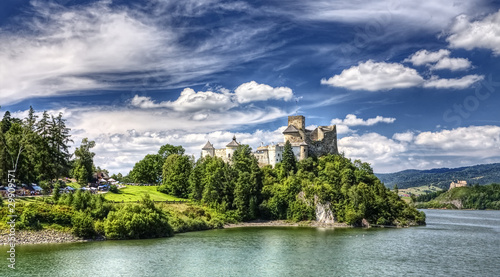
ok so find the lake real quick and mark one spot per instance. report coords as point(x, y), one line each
point(454, 243)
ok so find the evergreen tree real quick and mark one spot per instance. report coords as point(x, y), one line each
point(289, 163)
point(84, 162)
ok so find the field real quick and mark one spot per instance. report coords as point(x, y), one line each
point(417, 191)
point(134, 193)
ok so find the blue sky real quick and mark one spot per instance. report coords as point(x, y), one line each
point(409, 84)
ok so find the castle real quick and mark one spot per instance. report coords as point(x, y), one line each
point(458, 184)
point(305, 143)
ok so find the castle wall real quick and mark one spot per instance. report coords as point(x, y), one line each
point(293, 138)
point(221, 153)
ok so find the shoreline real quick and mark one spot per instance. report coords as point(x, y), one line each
point(50, 236)
point(46, 236)
point(284, 223)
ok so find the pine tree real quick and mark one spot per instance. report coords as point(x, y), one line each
point(289, 163)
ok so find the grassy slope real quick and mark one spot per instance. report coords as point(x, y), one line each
point(134, 193)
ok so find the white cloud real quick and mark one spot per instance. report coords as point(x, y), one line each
point(404, 137)
point(423, 57)
point(446, 148)
point(192, 101)
point(465, 140)
point(453, 64)
point(453, 83)
point(353, 120)
point(253, 91)
point(74, 49)
point(373, 76)
point(484, 33)
point(438, 60)
point(374, 148)
point(427, 14)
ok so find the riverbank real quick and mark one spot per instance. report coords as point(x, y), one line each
point(55, 236)
point(284, 223)
point(43, 236)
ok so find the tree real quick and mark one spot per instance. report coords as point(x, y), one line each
point(149, 170)
point(84, 162)
point(247, 190)
point(289, 163)
point(176, 172)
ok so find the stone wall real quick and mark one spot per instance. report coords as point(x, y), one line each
point(299, 121)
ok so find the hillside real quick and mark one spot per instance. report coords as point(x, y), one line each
point(475, 197)
point(442, 177)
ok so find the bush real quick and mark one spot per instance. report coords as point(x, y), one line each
point(29, 219)
point(83, 225)
point(136, 222)
point(114, 189)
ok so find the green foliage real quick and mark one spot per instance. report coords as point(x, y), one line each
point(475, 197)
point(56, 194)
point(137, 221)
point(83, 225)
point(84, 163)
point(149, 170)
point(37, 150)
point(176, 172)
point(113, 189)
point(289, 163)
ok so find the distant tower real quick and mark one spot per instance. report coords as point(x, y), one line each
point(208, 150)
point(230, 147)
point(303, 151)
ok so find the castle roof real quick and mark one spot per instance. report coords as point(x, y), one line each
point(207, 146)
point(290, 130)
point(233, 143)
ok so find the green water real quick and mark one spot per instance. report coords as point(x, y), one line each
point(454, 243)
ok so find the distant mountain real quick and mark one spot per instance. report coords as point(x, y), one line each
point(483, 174)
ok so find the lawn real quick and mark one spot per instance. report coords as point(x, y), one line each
point(134, 193)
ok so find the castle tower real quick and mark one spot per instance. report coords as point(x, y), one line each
point(230, 147)
point(304, 149)
point(299, 121)
point(208, 150)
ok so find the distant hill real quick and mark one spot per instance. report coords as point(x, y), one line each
point(483, 174)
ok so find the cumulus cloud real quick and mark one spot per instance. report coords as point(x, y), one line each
point(353, 120)
point(424, 150)
point(464, 140)
point(469, 34)
point(452, 64)
point(404, 137)
point(423, 57)
point(373, 76)
point(374, 148)
point(438, 60)
point(119, 152)
point(453, 83)
point(192, 101)
point(253, 91)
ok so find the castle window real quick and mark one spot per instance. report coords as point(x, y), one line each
point(229, 155)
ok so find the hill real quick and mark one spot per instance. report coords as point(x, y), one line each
point(475, 197)
point(442, 177)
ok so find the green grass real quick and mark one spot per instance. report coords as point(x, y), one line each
point(134, 193)
point(417, 191)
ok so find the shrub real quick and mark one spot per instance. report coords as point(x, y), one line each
point(83, 225)
point(114, 189)
point(134, 221)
